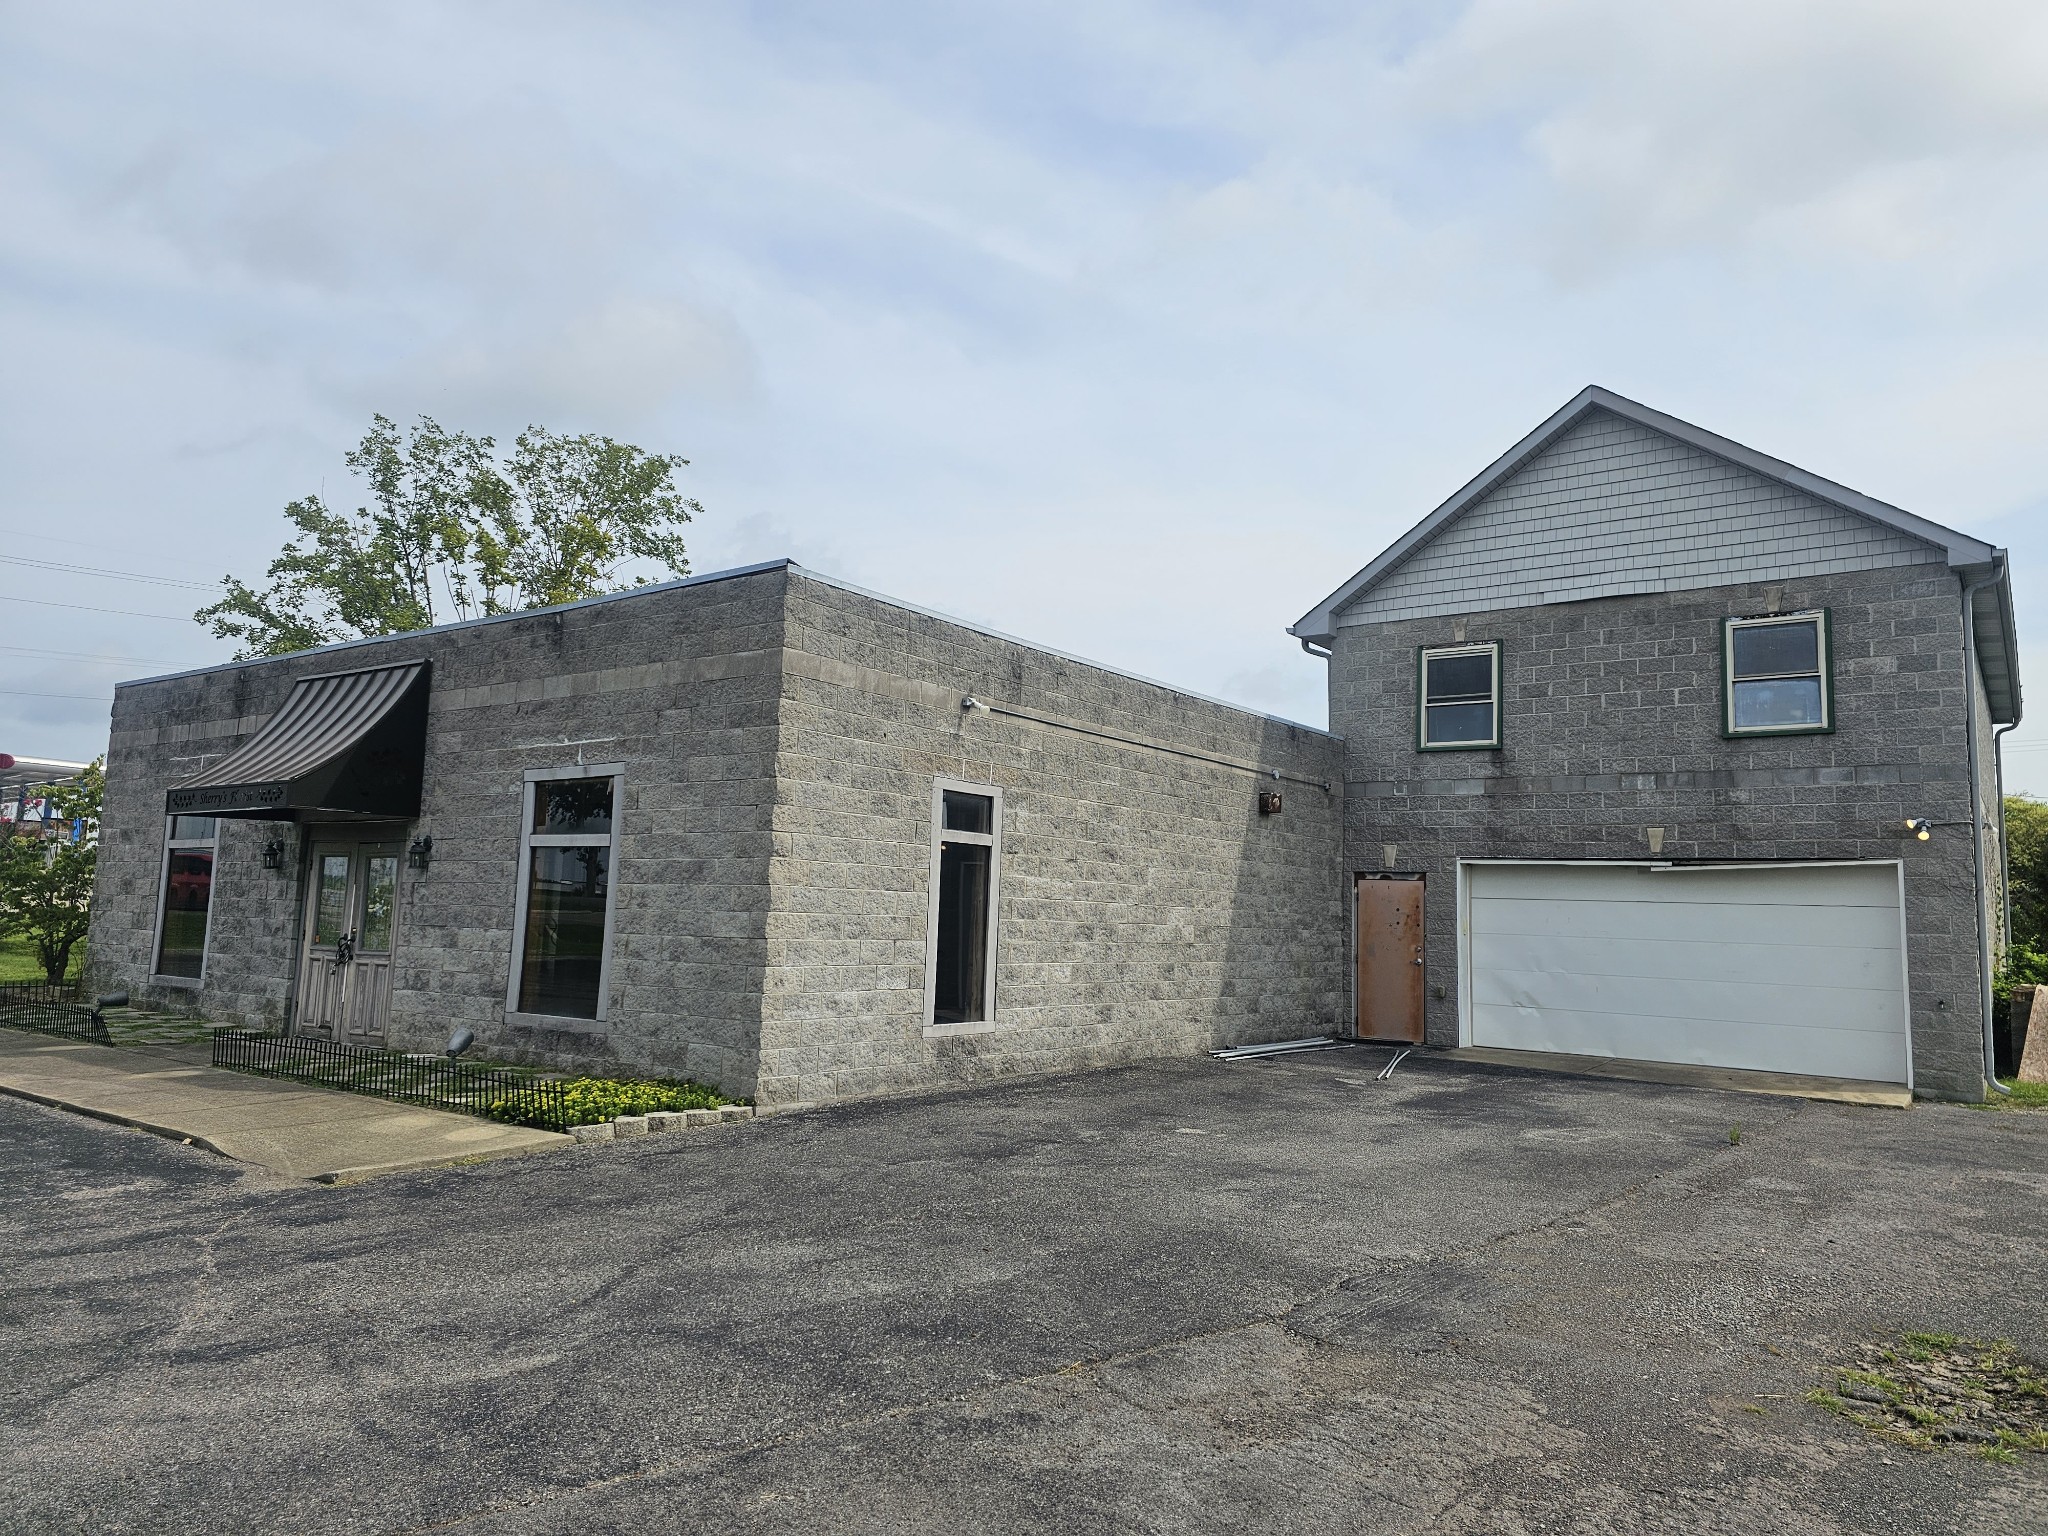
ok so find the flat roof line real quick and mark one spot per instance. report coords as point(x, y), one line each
point(490, 618)
point(997, 634)
point(705, 580)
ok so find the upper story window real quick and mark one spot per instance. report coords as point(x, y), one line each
point(189, 845)
point(1457, 697)
point(565, 893)
point(1775, 673)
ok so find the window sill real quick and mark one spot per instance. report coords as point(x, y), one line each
point(569, 1021)
point(191, 983)
point(941, 1031)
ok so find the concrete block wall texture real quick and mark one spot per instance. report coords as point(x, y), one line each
point(1145, 907)
point(1612, 724)
point(779, 736)
point(163, 732)
point(679, 685)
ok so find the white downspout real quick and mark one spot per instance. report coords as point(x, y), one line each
point(1970, 590)
point(2004, 842)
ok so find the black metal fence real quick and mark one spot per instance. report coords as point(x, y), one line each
point(433, 1082)
point(48, 1010)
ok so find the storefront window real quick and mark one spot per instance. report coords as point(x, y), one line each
point(567, 897)
point(188, 896)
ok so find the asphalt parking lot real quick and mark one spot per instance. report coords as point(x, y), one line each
point(1189, 1297)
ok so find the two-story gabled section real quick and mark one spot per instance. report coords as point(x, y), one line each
point(1661, 749)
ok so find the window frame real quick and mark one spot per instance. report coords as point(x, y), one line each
point(1823, 620)
point(522, 880)
point(1423, 655)
point(173, 844)
point(993, 841)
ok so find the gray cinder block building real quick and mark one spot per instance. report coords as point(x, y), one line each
point(758, 828)
point(1658, 748)
point(1648, 746)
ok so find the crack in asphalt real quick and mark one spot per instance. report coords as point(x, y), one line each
point(988, 1391)
point(208, 1275)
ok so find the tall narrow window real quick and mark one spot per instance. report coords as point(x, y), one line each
point(188, 896)
point(966, 861)
point(565, 896)
point(1457, 697)
point(1776, 672)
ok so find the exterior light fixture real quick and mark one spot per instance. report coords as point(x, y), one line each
point(421, 853)
point(971, 703)
point(1920, 827)
point(273, 852)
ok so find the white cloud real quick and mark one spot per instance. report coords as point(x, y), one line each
point(1846, 125)
point(1132, 327)
point(623, 362)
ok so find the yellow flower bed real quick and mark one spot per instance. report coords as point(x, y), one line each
point(589, 1100)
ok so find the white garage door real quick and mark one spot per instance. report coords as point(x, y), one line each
point(1790, 968)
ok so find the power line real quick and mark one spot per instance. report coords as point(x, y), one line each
point(51, 538)
point(44, 602)
point(140, 661)
point(93, 570)
point(23, 693)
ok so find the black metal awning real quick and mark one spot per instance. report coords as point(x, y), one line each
point(347, 743)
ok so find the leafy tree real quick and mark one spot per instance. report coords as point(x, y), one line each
point(46, 882)
point(454, 532)
point(2026, 842)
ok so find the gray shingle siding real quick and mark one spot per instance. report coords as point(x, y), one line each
point(1613, 507)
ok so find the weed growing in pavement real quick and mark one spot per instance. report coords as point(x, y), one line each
point(1931, 1390)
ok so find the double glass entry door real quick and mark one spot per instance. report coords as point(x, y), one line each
point(351, 913)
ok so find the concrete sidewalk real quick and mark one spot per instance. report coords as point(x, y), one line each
point(307, 1133)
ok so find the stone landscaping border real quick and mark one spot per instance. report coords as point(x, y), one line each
point(658, 1121)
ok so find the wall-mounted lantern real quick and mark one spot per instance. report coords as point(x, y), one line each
point(421, 853)
point(273, 852)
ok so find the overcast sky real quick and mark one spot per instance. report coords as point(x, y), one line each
point(1130, 328)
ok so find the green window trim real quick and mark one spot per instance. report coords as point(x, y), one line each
point(1424, 655)
point(1823, 672)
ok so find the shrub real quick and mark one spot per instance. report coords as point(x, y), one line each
point(2025, 966)
point(589, 1100)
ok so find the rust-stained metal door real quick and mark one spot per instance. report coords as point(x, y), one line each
point(1390, 969)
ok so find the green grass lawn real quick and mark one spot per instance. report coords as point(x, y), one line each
point(2023, 1096)
point(2026, 1095)
point(18, 960)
